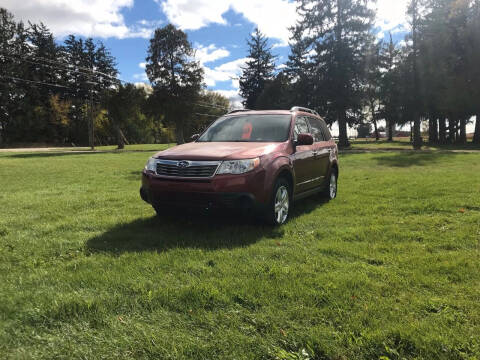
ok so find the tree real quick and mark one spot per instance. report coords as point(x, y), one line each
point(364, 130)
point(124, 106)
point(473, 59)
point(92, 70)
point(300, 69)
point(8, 30)
point(210, 106)
point(390, 85)
point(339, 33)
point(372, 86)
point(175, 77)
point(258, 69)
point(277, 94)
point(414, 14)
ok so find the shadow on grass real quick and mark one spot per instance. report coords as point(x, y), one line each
point(191, 230)
point(412, 158)
point(381, 142)
point(74, 152)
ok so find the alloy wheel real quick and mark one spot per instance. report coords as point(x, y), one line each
point(282, 204)
point(333, 185)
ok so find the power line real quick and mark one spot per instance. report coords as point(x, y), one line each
point(89, 72)
point(199, 114)
point(34, 82)
point(63, 66)
point(209, 106)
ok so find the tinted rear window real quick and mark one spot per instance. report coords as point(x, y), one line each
point(248, 128)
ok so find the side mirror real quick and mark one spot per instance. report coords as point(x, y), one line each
point(195, 137)
point(304, 139)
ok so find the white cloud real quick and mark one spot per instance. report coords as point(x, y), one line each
point(96, 18)
point(391, 15)
point(229, 71)
point(142, 65)
point(210, 53)
point(273, 17)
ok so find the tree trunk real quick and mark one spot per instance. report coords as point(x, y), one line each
point(390, 130)
point(411, 132)
point(433, 130)
point(476, 135)
point(342, 131)
point(119, 136)
point(377, 137)
point(179, 133)
point(442, 131)
point(463, 131)
point(417, 135)
point(451, 130)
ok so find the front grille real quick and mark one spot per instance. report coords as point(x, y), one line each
point(194, 170)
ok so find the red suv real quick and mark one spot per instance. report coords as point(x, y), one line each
point(247, 160)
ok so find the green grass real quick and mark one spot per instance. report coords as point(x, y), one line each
point(388, 270)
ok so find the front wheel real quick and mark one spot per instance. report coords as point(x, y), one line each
point(279, 207)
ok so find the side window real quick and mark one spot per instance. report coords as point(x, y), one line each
point(301, 127)
point(326, 131)
point(316, 126)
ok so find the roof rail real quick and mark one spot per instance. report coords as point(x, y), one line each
point(304, 109)
point(238, 110)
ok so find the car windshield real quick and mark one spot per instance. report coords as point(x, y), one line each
point(248, 128)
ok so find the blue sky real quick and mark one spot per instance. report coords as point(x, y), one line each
point(218, 29)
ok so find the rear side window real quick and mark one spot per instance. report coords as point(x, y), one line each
point(326, 131)
point(317, 132)
point(301, 127)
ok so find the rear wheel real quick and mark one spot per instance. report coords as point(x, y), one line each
point(330, 191)
point(279, 207)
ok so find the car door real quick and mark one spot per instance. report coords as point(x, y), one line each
point(321, 150)
point(303, 158)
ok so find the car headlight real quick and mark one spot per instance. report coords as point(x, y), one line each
point(151, 164)
point(238, 166)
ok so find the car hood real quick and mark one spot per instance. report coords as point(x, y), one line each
point(219, 151)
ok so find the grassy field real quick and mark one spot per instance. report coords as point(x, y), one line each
point(405, 144)
point(389, 270)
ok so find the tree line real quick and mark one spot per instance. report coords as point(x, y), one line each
point(69, 93)
point(338, 67)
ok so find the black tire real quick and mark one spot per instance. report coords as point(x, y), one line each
point(330, 192)
point(160, 210)
point(272, 216)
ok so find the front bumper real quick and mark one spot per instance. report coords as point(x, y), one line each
point(242, 192)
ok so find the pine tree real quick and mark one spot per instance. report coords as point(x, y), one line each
point(373, 81)
point(340, 33)
point(258, 69)
point(390, 85)
point(473, 58)
point(414, 9)
point(175, 77)
point(301, 71)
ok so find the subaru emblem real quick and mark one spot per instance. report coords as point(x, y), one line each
point(183, 164)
